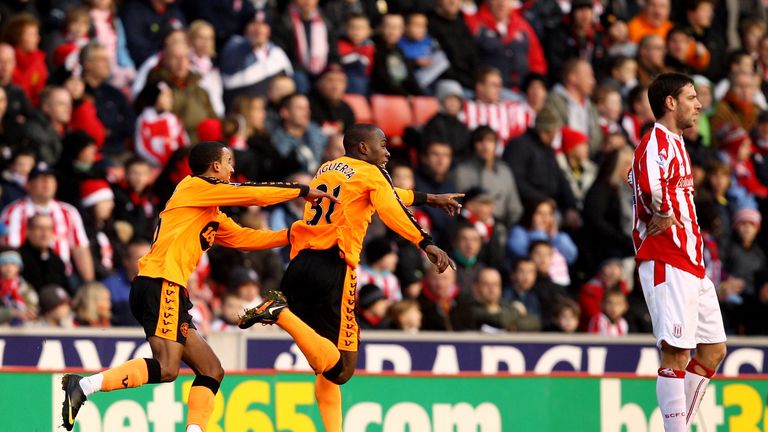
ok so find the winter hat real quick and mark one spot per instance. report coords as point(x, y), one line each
point(11, 257)
point(241, 276)
point(51, 296)
point(377, 248)
point(369, 294)
point(95, 191)
point(75, 142)
point(575, 4)
point(547, 121)
point(731, 137)
point(747, 215)
point(445, 88)
point(572, 138)
point(209, 130)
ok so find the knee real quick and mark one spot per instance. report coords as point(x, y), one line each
point(345, 375)
point(718, 354)
point(168, 373)
point(217, 373)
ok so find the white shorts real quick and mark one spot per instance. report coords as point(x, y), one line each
point(684, 308)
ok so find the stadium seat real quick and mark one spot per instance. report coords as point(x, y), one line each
point(392, 114)
point(424, 107)
point(360, 107)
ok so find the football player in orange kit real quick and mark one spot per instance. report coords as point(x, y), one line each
point(189, 225)
point(317, 303)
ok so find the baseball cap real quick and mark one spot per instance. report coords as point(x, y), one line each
point(41, 169)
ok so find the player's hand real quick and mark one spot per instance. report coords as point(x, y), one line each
point(447, 202)
point(316, 194)
point(439, 258)
point(659, 224)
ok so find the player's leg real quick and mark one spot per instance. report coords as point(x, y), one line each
point(199, 356)
point(710, 349)
point(328, 391)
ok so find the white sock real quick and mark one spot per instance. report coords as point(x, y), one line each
point(91, 384)
point(670, 391)
point(695, 387)
point(194, 428)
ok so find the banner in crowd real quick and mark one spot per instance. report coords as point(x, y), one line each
point(389, 351)
point(285, 403)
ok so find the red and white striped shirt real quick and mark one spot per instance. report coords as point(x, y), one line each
point(386, 281)
point(159, 135)
point(662, 180)
point(509, 119)
point(600, 324)
point(68, 231)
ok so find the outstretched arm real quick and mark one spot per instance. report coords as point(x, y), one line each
point(232, 235)
point(447, 202)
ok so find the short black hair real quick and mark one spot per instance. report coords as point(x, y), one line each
point(287, 100)
point(356, 134)
point(481, 133)
point(203, 155)
point(666, 84)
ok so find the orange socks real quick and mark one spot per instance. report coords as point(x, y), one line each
point(321, 353)
point(132, 373)
point(201, 401)
point(328, 396)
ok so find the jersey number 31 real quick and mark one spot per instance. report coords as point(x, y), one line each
point(319, 206)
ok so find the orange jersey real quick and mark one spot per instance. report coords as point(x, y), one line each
point(362, 189)
point(192, 222)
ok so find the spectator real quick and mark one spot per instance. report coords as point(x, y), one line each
point(249, 62)
point(65, 46)
point(467, 244)
point(698, 24)
point(279, 87)
point(505, 40)
point(246, 132)
point(491, 313)
point(42, 266)
point(611, 322)
point(11, 131)
point(135, 204)
point(75, 166)
point(617, 37)
point(98, 204)
point(172, 38)
point(266, 263)
point(579, 36)
point(609, 105)
point(523, 298)
point(308, 39)
point(608, 213)
point(69, 241)
point(19, 107)
point(285, 214)
point(684, 54)
point(565, 317)
point(447, 26)
point(109, 32)
point(119, 283)
point(477, 210)
point(446, 125)
point(245, 283)
point(652, 20)
point(487, 171)
point(442, 305)
point(173, 172)
point(372, 306)
point(392, 72)
point(625, 73)
point(737, 107)
point(149, 21)
point(83, 117)
point(751, 30)
point(423, 51)
point(226, 16)
point(703, 87)
point(190, 101)
point(737, 150)
point(298, 139)
point(381, 257)
point(739, 61)
point(592, 294)
point(159, 132)
point(356, 52)
point(650, 58)
point(406, 316)
point(756, 307)
point(18, 301)
point(231, 308)
point(46, 127)
point(55, 308)
point(571, 101)
point(93, 306)
point(508, 118)
point(580, 172)
point(745, 258)
point(535, 90)
point(112, 107)
point(202, 40)
point(549, 290)
point(31, 72)
point(14, 178)
point(433, 177)
point(639, 108)
point(535, 168)
point(328, 108)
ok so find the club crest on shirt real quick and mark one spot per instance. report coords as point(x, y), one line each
point(662, 159)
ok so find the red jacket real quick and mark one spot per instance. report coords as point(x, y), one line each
point(30, 74)
point(84, 118)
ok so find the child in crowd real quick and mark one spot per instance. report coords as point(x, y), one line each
point(18, 301)
point(406, 315)
point(356, 51)
point(381, 257)
point(611, 322)
point(419, 47)
point(618, 37)
point(93, 306)
point(231, 308)
point(77, 23)
point(566, 316)
point(159, 132)
point(372, 306)
point(745, 258)
point(592, 293)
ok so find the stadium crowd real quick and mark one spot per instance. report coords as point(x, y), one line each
point(530, 108)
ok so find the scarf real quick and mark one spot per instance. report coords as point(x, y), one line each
point(313, 50)
point(9, 289)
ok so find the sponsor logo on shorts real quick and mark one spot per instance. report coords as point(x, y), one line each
point(185, 329)
point(677, 330)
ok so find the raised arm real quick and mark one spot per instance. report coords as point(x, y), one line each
point(232, 235)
